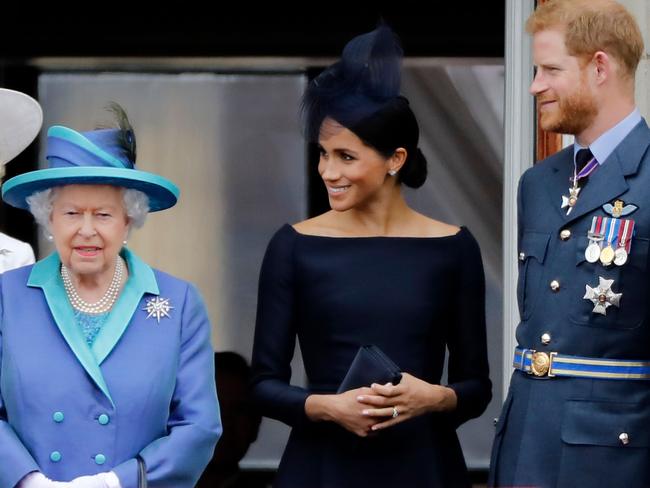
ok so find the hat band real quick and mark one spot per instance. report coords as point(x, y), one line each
point(65, 154)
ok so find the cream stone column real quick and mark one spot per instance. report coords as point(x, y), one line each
point(641, 11)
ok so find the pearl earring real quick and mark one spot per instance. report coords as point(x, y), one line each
point(124, 242)
point(49, 237)
point(392, 172)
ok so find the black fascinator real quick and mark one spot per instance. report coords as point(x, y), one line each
point(364, 80)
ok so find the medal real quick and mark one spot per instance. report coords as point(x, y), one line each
point(624, 242)
point(592, 253)
point(620, 256)
point(607, 255)
point(602, 296)
point(570, 201)
point(610, 226)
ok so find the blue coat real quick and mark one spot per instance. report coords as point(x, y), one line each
point(566, 432)
point(145, 387)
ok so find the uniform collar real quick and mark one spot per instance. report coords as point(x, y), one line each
point(604, 146)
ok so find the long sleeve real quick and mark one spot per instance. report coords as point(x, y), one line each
point(15, 459)
point(275, 335)
point(468, 363)
point(194, 425)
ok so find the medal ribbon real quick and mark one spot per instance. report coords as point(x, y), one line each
point(589, 168)
point(586, 170)
point(599, 225)
point(625, 234)
point(611, 225)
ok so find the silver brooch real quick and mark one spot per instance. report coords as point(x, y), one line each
point(158, 307)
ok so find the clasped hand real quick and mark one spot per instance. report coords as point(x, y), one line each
point(366, 410)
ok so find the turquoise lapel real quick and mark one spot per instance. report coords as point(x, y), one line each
point(46, 275)
point(141, 280)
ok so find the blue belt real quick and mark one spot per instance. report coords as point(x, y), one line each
point(550, 364)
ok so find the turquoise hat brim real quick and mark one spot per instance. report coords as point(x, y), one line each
point(162, 193)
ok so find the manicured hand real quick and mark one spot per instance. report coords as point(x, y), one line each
point(344, 409)
point(410, 398)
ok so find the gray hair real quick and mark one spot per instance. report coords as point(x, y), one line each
point(136, 205)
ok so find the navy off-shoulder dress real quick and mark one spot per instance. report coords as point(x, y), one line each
point(412, 297)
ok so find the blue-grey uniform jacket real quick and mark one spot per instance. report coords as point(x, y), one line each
point(579, 432)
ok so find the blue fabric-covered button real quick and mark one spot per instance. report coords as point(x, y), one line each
point(100, 459)
point(55, 457)
point(103, 419)
point(58, 417)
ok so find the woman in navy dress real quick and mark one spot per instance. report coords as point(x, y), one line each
point(370, 271)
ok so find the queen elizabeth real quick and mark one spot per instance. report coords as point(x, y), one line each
point(106, 375)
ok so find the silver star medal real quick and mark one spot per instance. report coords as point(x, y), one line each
point(158, 308)
point(602, 296)
point(571, 200)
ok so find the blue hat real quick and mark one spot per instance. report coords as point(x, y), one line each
point(97, 157)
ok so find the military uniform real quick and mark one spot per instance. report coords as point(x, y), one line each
point(578, 408)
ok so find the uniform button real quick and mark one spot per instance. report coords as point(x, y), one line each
point(522, 256)
point(555, 285)
point(104, 419)
point(546, 338)
point(100, 459)
point(624, 438)
point(55, 456)
point(58, 417)
point(495, 421)
point(565, 234)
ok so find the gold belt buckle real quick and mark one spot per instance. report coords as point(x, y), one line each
point(541, 363)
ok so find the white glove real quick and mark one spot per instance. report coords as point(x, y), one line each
point(36, 479)
point(100, 480)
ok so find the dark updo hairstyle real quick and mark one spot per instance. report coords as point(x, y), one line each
point(361, 92)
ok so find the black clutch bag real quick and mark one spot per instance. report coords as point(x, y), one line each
point(369, 366)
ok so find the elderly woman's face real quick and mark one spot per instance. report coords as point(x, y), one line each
point(89, 224)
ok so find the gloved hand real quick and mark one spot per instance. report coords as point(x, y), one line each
point(100, 480)
point(36, 479)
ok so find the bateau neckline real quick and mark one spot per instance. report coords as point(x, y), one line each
point(461, 230)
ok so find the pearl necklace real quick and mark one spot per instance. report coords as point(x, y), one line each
point(105, 303)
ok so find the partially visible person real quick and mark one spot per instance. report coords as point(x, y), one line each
point(240, 423)
point(20, 120)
